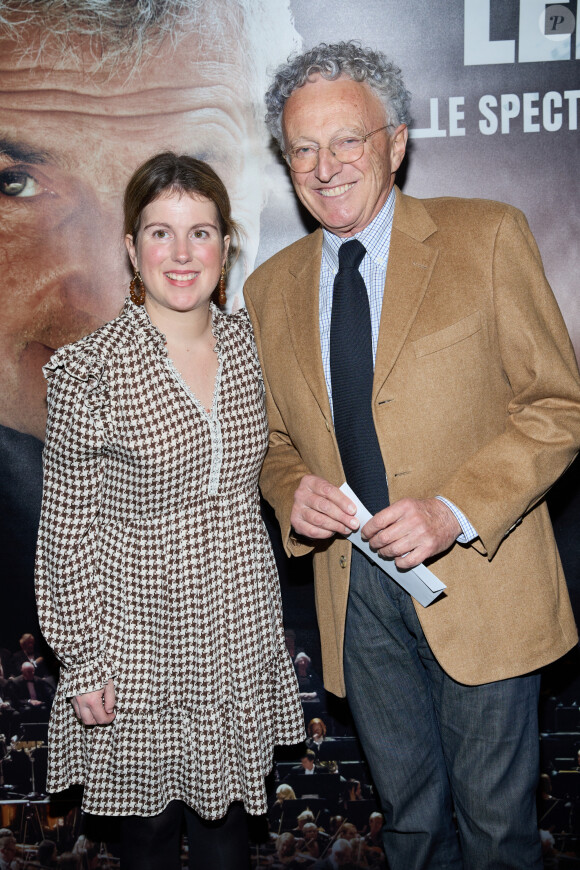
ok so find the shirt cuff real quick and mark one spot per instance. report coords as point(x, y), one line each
point(88, 677)
point(468, 533)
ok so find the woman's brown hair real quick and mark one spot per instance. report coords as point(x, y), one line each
point(172, 173)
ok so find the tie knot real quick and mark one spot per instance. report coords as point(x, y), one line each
point(350, 254)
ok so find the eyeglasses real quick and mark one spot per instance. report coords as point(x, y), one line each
point(347, 149)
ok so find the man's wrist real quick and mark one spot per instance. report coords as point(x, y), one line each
point(468, 533)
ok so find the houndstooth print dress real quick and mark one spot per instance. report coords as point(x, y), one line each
point(154, 568)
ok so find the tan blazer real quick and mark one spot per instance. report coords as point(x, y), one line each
point(476, 397)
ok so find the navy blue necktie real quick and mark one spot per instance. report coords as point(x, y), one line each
point(351, 372)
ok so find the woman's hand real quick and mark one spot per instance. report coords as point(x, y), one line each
point(96, 708)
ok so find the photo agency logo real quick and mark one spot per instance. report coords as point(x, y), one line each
point(557, 20)
point(543, 32)
point(538, 32)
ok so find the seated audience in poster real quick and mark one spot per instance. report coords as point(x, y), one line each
point(31, 695)
point(284, 792)
point(309, 766)
point(156, 583)
point(339, 856)
point(28, 653)
point(8, 851)
point(414, 348)
point(9, 718)
point(317, 736)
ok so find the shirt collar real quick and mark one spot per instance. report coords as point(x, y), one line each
point(375, 237)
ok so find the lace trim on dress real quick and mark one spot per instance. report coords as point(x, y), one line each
point(215, 429)
point(140, 316)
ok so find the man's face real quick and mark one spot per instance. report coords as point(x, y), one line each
point(28, 671)
point(341, 853)
point(344, 197)
point(307, 763)
point(69, 142)
point(8, 850)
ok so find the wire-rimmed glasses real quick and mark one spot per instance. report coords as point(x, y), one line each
point(347, 149)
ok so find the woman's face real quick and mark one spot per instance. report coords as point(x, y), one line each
point(179, 252)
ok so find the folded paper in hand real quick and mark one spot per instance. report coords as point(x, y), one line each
point(419, 582)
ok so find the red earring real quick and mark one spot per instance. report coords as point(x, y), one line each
point(137, 289)
point(222, 288)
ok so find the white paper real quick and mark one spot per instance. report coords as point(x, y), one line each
point(419, 582)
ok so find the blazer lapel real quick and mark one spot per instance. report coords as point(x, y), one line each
point(410, 266)
point(301, 301)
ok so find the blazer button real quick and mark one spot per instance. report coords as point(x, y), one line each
point(343, 561)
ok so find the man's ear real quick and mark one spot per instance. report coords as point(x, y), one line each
point(398, 146)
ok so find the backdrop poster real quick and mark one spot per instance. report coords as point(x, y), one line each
point(86, 96)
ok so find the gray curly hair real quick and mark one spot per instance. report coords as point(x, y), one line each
point(331, 61)
point(113, 25)
point(118, 29)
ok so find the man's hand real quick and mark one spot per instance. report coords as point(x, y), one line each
point(96, 708)
point(411, 530)
point(321, 510)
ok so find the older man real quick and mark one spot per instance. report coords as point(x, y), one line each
point(31, 695)
point(89, 90)
point(414, 348)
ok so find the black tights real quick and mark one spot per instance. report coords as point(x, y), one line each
point(153, 842)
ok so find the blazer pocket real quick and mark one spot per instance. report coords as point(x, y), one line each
point(449, 336)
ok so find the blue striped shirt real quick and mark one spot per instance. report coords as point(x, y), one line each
point(376, 238)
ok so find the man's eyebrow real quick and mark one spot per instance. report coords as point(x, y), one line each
point(355, 129)
point(20, 151)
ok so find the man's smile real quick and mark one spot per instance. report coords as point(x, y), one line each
point(336, 191)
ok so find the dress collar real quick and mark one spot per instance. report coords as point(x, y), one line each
point(138, 316)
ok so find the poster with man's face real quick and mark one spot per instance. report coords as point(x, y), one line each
point(85, 98)
point(79, 113)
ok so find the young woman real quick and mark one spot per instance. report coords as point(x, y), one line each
point(156, 584)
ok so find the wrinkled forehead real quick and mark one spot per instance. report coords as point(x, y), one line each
point(330, 107)
point(104, 118)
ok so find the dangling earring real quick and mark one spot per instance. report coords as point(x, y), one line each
point(222, 288)
point(137, 289)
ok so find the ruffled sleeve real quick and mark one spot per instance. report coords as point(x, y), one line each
point(69, 597)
